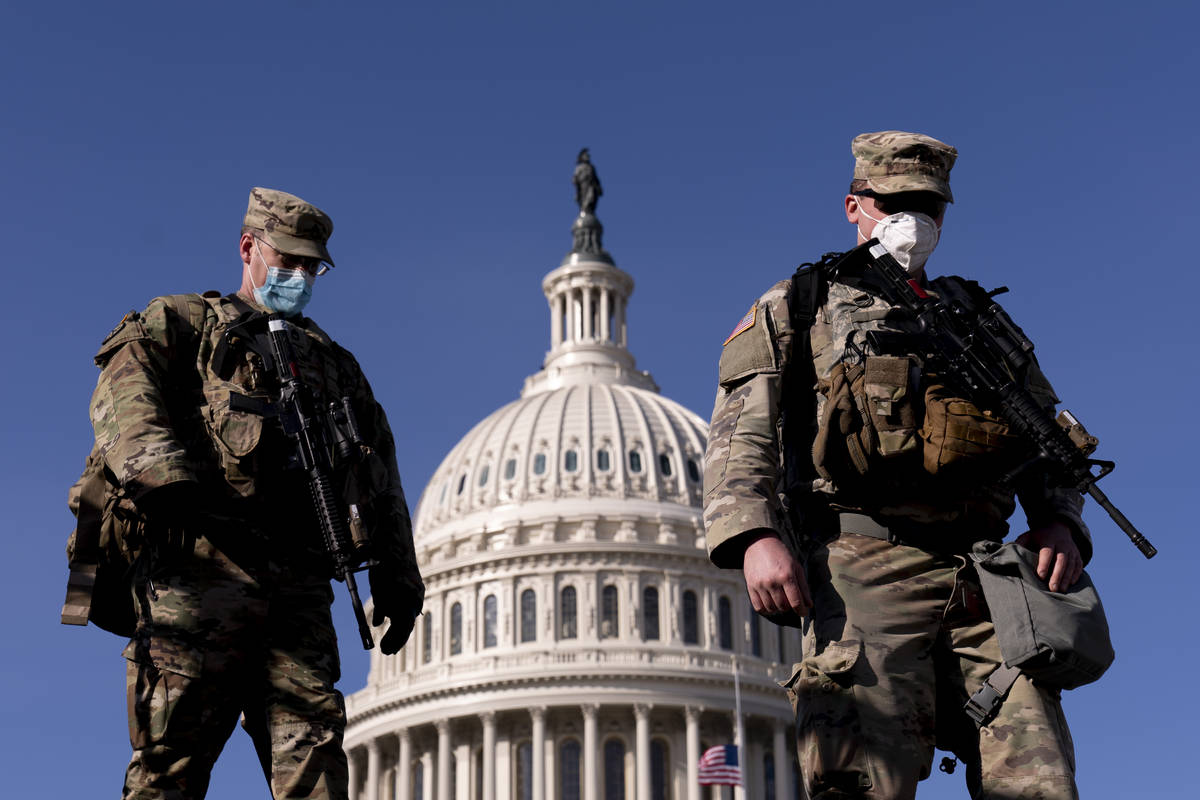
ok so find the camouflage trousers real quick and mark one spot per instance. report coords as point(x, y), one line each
point(898, 640)
point(219, 639)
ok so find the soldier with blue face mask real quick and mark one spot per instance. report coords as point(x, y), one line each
point(230, 574)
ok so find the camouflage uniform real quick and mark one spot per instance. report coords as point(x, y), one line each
point(899, 636)
point(233, 595)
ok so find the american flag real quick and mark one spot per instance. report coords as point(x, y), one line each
point(719, 765)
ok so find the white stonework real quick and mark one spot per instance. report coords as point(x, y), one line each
point(576, 642)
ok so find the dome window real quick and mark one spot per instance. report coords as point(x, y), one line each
point(755, 631)
point(725, 623)
point(691, 619)
point(489, 621)
point(602, 462)
point(614, 767)
point(539, 464)
point(571, 461)
point(568, 757)
point(528, 616)
point(608, 612)
point(649, 613)
point(462, 482)
point(693, 470)
point(483, 475)
point(664, 464)
point(455, 629)
point(635, 461)
point(510, 469)
point(566, 612)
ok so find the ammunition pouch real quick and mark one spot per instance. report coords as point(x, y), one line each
point(964, 442)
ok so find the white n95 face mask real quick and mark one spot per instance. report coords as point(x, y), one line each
point(909, 236)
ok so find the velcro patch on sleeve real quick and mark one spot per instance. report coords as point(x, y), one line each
point(129, 329)
point(744, 324)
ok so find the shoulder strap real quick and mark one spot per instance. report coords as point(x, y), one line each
point(83, 554)
point(984, 704)
point(809, 286)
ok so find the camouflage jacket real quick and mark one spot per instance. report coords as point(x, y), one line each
point(162, 414)
point(743, 464)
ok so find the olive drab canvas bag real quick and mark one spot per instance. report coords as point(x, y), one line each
point(1060, 639)
point(101, 552)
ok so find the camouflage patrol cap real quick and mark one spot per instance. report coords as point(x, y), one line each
point(289, 224)
point(895, 161)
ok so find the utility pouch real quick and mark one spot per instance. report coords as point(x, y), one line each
point(960, 439)
point(1059, 639)
point(869, 417)
point(889, 400)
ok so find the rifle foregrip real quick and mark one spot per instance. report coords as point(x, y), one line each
point(337, 540)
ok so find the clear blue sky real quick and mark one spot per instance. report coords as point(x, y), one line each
point(441, 139)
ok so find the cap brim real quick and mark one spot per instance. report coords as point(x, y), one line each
point(295, 246)
point(894, 184)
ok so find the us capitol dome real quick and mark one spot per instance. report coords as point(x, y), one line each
point(576, 643)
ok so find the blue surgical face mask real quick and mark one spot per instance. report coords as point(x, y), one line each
point(285, 291)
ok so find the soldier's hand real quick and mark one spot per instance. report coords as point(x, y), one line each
point(1059, 560)
point(171, 503)
point(395, 599)
point(775, 580)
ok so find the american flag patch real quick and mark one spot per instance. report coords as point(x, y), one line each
point(745, 323)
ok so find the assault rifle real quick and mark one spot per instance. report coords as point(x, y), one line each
point(317, 434)
point(984, 354)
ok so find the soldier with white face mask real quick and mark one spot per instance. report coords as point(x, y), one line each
point(817, 487)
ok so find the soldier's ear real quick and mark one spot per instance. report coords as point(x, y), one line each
point(852, 209)
point(246, 248)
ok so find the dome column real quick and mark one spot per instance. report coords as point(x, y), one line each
point(692, 715)
point(641, 716)
point(404, 766)
point(462, 768)
point(352, 779)
point(538, 745)
point(488, 718)
point(557, 306)
point(605, 311)
point(588, 332)
point(426, 776)
point(783, 764)
point(372, 770)
point(620, 337)
point(590, 711)
point(443, 759)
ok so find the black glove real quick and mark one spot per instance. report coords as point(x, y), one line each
point(174, 513)
point(395, 599)
point(172, 504)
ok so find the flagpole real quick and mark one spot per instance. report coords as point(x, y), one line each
point(740, 734)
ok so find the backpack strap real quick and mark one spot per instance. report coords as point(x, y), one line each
point(809, 286)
